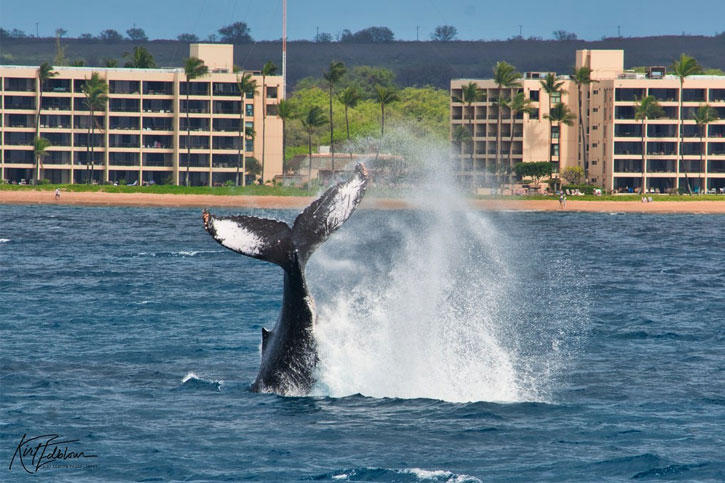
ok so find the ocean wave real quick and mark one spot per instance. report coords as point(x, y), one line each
point(4, 240)
point(195, 383)
point(403, 475)
point(182, 253)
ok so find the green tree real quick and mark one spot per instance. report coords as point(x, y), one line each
point(517, 104)
point(95, 90)
point(683, 67)
point(332, 76)
point(444, 33)
point(573, 174)
point(536, 171)
point(552, 87)
point(505, 76)
point(461, 134)
point(704, 115)
point(45, 72)
point(268, 69)
point(349, 99)
point(285, 113)
point(236, 33)
point(137, 34)
point(247, 86)
point(311, 120)
point(582, 77)
point(646, 108)
point(559, 114)
point(39, 150)
point(193, 69)
point(140, 58)
point(384, 96)
point(109, 62)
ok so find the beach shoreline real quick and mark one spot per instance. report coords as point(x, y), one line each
point(294, 202)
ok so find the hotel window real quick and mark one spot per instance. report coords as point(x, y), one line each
point(555, 97)
point(596, 91)
point(594, 145)
point(554, 132)
point(534, 95)
point(595, 127)
point(249, 109)
point(554, 149)
point(596, 109)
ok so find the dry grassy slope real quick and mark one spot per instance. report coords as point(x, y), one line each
point(415, 63)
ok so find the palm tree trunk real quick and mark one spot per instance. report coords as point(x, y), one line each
point(347, 128)
point(284, 146)
point(36, 170)
point(473, 141)
point(89, 148)
point(511, 153)
point(264, 123)
point(644, 157)
point(498, 140)
point(332, 139)
point(702, 166)
point(241, 139)
point(382, 121)
point(680, 156)
point(582, 146)
point(309, 160)
point(188, 134)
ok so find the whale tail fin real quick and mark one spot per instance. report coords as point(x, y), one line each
point(274, 241)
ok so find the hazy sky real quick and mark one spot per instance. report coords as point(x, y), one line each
point(474, 20)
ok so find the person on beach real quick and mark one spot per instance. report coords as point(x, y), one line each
point(57, 194)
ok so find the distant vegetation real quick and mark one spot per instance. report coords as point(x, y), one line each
point(418, 64)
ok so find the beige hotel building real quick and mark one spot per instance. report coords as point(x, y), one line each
point(142, 135)
point(614, 136)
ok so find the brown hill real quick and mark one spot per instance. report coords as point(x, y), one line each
point(415, 63)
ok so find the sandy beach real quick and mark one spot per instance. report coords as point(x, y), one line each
point(283, 202)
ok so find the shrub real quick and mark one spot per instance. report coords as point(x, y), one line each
point(229, 183)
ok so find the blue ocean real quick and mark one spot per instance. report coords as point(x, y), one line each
point(454, 346)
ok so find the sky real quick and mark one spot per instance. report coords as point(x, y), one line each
point(408, 19)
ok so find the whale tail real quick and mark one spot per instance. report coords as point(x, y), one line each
point(276, 242)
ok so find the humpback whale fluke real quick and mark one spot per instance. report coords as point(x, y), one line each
point(289, 353)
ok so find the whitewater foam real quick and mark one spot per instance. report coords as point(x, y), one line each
point(436, 318)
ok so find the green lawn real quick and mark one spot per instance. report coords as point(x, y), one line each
point(378, 192)
point(253, 190)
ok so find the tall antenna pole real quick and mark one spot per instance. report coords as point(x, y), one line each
point(284, 49)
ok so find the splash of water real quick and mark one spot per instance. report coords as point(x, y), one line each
point(422, 306)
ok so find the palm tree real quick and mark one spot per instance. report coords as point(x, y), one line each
point(384, 96)
point(349, 98)
point(251, 134)
point(551, 86)
point(517, 104)
point(559, 114)
point(268, 69)
point(333, 76)
point(285, 113)
point(646, 108)
point(704, 115)
point(96, 91)
point(505, 76)
point(470, 93)
point(582, 77)
point(39, 149)
point(193, 69)
point(683, 67)
point(140, 59)
point(246, 86)
point(311, 120)
point(461, 135)
point(45, 72)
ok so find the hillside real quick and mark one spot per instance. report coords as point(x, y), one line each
point(415, 63)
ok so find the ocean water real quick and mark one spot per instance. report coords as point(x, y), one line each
point(454, 346)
